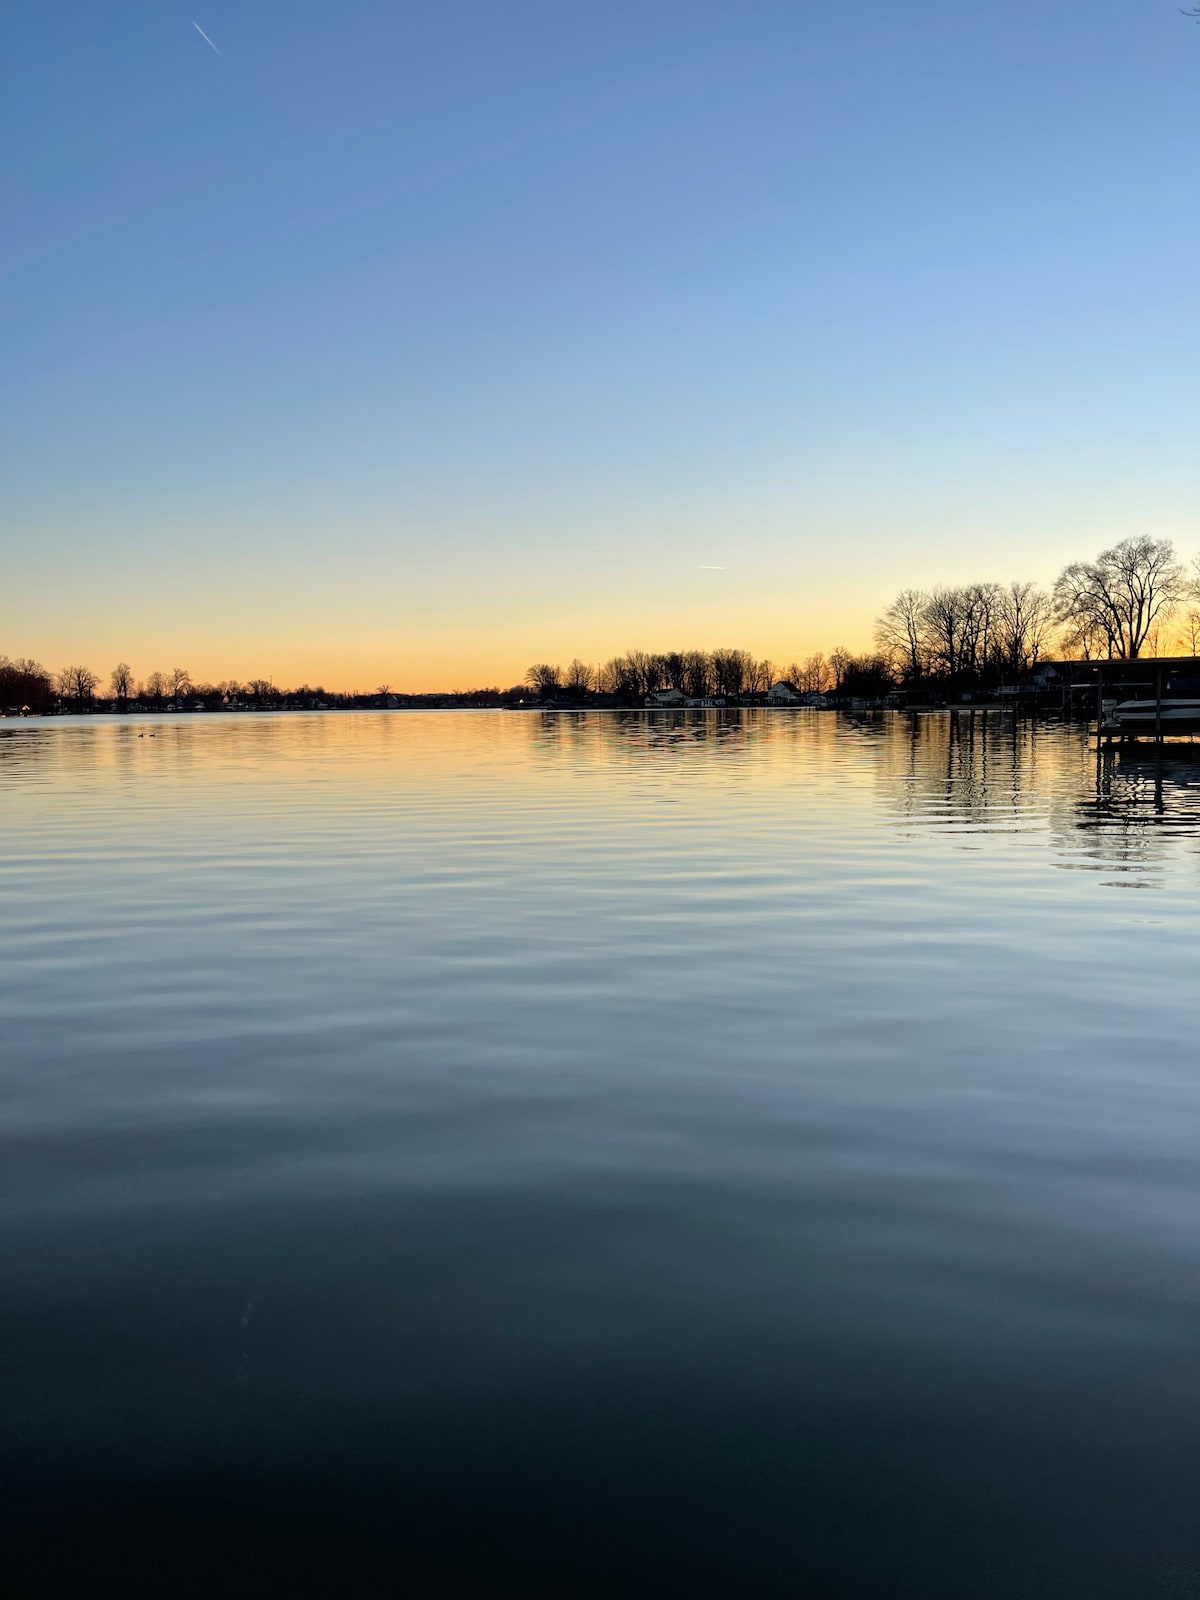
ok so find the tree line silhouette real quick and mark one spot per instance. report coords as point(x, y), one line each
point(726, 673)
point(26, 683)
point(952, 636)
point(1136, 598)
point(1120, 606)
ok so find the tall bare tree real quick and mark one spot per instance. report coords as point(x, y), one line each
point(180, 683)
point(544, 678)
point(814, 676)
point(981, 606)
point(1024, 616)
point(1121, 595)
point(78, 685)
point(943, 620)
point(728, 667)
point(121, 679)
point(900, 633)
point(84, 682)
point(614, 677)
point(697, 673)
point(580, 676)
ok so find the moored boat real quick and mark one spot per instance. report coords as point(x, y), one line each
point(1178, 712)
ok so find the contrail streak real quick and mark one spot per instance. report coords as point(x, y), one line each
point(206, 39)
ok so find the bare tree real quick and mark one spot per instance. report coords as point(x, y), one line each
point(645, 671)
point(900, 633)
point(672, 669)
point(814, 676)
point(121, 679)
point(580, 676)
point(77, 684)
point(1084, 636)
point(763, 675)
point(1121, 595)
point(839, 660)
point(608, 677)
point(697, 673)
point(156, 685)
point(1024, 615)
point(180, 683)
point(942, 619)
point(659, 672)
point(981, 609)
point(728, 670)
point(544, 679)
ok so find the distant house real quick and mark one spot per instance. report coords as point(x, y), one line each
point(666, 697)
point(784, 694)
point(705, 702)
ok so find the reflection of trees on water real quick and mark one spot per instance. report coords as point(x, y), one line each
point(1136, 807)
point(617, 734)
point(1120, 810)
point(979, 771)
point(657, 750)
point(982, 770)
point(955, 774)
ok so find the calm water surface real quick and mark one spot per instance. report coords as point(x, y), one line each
point(698, 1154)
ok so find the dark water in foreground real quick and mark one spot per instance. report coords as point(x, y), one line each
point(748, 1154)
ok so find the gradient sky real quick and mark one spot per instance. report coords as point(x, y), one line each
point(412, 342)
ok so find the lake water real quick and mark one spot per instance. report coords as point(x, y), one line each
point(603, 1154)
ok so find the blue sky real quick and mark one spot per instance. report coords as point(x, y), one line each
point(411, 342)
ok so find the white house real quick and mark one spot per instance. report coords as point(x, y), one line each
point(784, 694)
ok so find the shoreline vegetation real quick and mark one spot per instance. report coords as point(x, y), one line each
point(1135, 601)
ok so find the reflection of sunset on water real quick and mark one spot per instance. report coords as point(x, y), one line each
point(780, 775)
point(381, 1085)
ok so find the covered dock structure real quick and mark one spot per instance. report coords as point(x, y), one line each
point(1161, 686)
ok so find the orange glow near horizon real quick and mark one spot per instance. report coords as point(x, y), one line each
point(443, 656)
point(451, 618)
